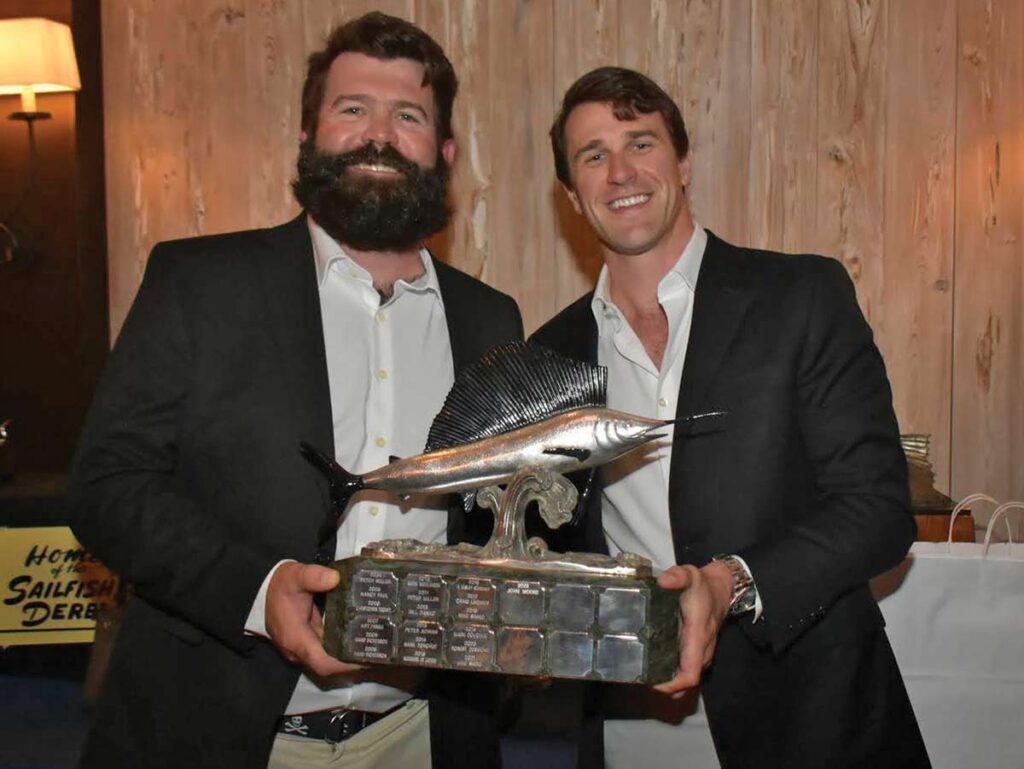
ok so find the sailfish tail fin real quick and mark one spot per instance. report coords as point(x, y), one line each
point(343, 484)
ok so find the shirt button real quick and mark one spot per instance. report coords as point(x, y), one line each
point(382, 374)
point(381, 316)
point(353, 272)
point(374, 510)
point(662, 402)
point(381, 441)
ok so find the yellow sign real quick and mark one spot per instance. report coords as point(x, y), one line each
point(51, 588)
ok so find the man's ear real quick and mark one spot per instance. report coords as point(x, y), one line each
point(448, 151)
point(303, 136)
point(573, 198)
point(685, 170)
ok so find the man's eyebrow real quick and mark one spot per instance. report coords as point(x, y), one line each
point(411, 105)
point(644, 133)
point(593, 144)
point(360, 97)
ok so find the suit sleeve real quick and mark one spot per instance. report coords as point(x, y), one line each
point(861, 523)
point(129, 506)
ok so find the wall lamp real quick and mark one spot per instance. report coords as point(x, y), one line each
point(36, 56)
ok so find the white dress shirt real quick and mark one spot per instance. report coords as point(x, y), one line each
point(389, 366)
point(635, 505)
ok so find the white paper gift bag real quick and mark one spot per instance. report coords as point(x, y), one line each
point(954, 614)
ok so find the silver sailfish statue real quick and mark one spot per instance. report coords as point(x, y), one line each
point(519, 406)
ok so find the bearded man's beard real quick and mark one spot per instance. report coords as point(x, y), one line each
point(370, 213)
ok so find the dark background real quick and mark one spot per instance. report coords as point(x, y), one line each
point(53, 307)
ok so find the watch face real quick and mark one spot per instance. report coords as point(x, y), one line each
point(745, 601)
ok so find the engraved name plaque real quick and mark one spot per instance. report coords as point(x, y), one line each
point(594, 627)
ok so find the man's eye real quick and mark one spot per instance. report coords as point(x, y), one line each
point(595, 157)
point(408, 117)
point(352, 110)
point(641, 145)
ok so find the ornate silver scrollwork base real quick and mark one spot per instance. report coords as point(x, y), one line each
point(556, 499)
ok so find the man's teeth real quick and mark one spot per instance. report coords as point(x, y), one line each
point(377, 167)
point(632, 200)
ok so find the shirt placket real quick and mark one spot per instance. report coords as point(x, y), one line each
point(675, 306)
point(380, 414)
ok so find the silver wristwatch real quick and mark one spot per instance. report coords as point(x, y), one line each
point(744, 592)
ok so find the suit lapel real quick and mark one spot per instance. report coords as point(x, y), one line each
point(583, 345)
point(721, 301)
point(294, 326)
point(465, 311)
point(573, 332)
point(459, 315)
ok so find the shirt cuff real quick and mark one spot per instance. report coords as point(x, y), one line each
point(758, 606)
point(256, 623)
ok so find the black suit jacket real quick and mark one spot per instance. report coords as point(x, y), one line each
point(189, 484)
point(803, 476)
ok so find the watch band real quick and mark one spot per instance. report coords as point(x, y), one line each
point(744, 592)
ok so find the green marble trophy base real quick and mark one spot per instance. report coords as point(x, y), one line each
point(502, 619)
point(509, 607)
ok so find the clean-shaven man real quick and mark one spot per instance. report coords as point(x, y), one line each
point(772, 509)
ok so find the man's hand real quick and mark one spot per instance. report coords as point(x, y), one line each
point(294, 623)
point(703, 607)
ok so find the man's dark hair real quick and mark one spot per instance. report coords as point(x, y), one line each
point(382, 37)
point(629, 93)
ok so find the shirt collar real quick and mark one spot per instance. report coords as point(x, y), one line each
point(685, 269)
point(326, 251)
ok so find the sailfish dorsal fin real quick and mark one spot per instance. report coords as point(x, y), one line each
point(514, 386)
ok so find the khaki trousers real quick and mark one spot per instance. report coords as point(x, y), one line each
point(402, 739)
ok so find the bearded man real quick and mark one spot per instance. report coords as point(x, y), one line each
point(339, 329)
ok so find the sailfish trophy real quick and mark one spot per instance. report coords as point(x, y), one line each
point(520, 417)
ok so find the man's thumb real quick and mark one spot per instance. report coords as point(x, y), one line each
point(317, 579)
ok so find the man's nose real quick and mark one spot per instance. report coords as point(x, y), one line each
point(380, 129)
point(620, 170)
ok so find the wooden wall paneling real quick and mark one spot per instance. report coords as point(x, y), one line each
point(651, 38)
point(146, 110)
point(460, 26)
point(636, 23)
point(276, 67)
point(520, 39)
point(851, 129)
point(217, 147)
point(587, 37)
point(713, 90)
point(118, 77)
point(988, 331)
point(913, 319)
point(820, 126)
point(783, 135)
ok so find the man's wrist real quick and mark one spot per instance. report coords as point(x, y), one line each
point(744, 591)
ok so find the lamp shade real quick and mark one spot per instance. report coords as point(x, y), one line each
point(37, 55)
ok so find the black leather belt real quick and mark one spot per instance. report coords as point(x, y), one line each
point(330, 725)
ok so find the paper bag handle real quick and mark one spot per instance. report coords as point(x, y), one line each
point(998, 513)
point(969, 499)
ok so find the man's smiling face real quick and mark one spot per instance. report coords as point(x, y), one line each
point(626, 178)
point(374, 176)
point(379, 101)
